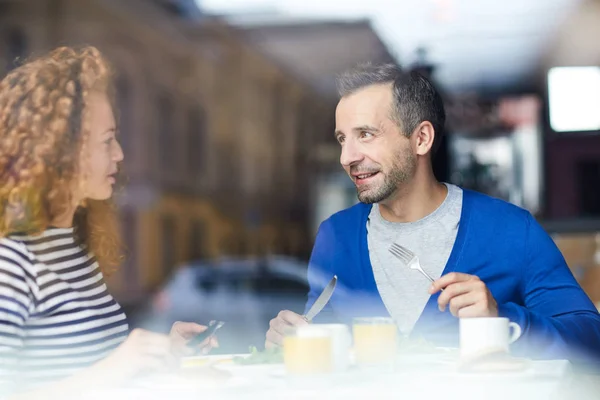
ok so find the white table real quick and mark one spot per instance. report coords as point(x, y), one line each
point(543, 380)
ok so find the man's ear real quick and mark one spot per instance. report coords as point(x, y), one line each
point(423, 138)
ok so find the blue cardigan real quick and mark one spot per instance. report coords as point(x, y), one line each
point(501, 244)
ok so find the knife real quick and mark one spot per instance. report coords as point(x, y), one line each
point(321, 300)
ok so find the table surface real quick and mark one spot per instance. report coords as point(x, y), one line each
point(554, 380)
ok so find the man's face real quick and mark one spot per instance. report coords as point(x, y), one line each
point(375, 154)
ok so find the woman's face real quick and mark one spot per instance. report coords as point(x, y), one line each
point(101, 153)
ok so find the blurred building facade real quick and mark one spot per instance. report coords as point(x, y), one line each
point(572, 159)
point(217, 137)
point(227, 130)
point(316, 51)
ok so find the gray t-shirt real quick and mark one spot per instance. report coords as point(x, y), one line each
point(403, 290)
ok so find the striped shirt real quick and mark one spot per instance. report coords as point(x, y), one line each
point(56, 315)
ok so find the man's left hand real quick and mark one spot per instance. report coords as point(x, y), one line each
point(466, 295)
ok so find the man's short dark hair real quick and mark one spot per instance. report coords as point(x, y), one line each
point(415, 98)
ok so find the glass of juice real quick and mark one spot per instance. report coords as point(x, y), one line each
point(307, 350)
point(375, 341)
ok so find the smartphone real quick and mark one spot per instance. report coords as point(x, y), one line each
point(213, 326)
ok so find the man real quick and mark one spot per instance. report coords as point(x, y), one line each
point(488, 258)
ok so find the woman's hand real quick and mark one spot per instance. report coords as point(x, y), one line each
point(142, 351)
point(183, 332)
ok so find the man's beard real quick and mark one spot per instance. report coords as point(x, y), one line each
point(402, 170)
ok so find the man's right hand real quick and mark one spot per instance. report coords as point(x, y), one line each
point(279, 324)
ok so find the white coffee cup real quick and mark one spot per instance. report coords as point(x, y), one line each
point(486, 335)
point(341, 340)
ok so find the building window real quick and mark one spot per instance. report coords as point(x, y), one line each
point(169, 242)
point(166, 136)
point(278, 109)
point(197, 239)
point(196, 142)
point(129, 232)
point(302, 144)
point(278, 131)
point(588, 178)
point(16, 48)
point(124, 107)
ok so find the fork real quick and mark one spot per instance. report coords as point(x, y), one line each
point(409, 258)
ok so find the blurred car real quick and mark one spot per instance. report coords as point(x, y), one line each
point(244, 293)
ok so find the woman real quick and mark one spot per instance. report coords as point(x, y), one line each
point(59, 327)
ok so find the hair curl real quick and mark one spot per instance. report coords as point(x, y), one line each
point(42, 132)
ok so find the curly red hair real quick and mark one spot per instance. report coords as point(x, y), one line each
point(42, 131)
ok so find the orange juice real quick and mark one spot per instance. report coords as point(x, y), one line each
point(375, 342)
point(307, 354)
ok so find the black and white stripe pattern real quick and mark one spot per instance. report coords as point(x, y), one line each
point(56, 315)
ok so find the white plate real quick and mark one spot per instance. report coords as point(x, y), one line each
point(203, 361)
point(240, 374)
